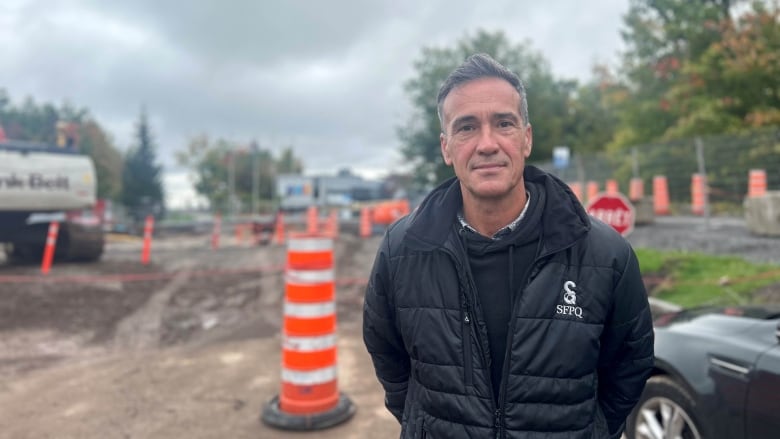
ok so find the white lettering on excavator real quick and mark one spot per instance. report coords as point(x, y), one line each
point(34, 181)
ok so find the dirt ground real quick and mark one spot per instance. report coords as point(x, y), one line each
point(189, 345)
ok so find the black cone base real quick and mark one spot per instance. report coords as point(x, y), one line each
point(274, 417)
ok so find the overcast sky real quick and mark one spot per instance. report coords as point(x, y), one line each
point(325, 76)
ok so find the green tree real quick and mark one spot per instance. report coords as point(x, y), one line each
point(142, 189)
point(288, 163)
point(548, 100)
point(211, 161)
point(592, 119)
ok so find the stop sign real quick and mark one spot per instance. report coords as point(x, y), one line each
point(615, 210)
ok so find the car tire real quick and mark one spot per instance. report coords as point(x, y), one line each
point(665, 410)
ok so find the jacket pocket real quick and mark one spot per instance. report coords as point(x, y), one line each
point(468, 366)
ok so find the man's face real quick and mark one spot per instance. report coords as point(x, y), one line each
point(485, 139)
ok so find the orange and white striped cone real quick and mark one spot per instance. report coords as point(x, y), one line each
point(309, 399)
point(51, 244)
point(576, 188)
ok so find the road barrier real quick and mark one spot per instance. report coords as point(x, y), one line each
point(309, 397)
point(660, 195)
point(51, 244)
point(147, 246)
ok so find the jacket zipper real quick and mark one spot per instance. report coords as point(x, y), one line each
point(467, 362)
point(465, 280)
point(507, 356)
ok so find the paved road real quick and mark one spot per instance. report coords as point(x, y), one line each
point(722, 236)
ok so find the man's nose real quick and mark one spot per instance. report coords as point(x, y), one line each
point(486, 143)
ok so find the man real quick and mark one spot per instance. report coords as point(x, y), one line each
point(498, 308)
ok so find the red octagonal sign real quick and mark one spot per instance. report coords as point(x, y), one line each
point(615, 210)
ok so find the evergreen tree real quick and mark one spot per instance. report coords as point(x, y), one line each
point(142, 191)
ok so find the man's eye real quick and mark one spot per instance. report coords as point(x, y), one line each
point(465, 128)
point(506, 124)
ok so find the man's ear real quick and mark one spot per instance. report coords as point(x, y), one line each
point(529, 140)
point(445, 153)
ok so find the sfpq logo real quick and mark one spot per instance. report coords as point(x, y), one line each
point(570, 298)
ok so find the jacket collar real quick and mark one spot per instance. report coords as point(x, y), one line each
point(564, 220)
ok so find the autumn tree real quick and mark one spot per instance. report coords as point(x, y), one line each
point(735, 84)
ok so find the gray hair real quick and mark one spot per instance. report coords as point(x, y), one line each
point(480, 66)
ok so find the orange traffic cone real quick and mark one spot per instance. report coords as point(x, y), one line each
point(660, 195)
point(279, 229)
point(636, 189)
point(756, 183)
point(577, 189)
point(309, 399)
point(311, 220)
point(592, 189)
point(332, 224)
point(365, 222)
point(697, 194)
point(51, 244)
point(612, 187)
point(147, 247)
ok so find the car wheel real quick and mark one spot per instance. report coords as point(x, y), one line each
point(665, 411)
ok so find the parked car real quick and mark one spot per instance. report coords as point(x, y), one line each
point(717, 375)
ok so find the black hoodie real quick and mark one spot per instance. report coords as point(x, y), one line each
point(500, 268)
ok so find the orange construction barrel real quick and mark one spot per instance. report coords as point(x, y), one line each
point(309, 398)
point(756, 183)
point(660, 195)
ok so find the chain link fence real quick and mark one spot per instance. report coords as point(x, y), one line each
point(726, 160)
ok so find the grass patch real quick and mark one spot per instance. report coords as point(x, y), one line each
point(694, 279)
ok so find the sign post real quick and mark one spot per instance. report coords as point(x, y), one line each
point(615, 210)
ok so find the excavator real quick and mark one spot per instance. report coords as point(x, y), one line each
point(41, 183)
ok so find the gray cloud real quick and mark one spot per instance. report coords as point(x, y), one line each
point(325, 77)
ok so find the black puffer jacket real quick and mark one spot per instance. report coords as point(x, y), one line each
point(580, 341)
